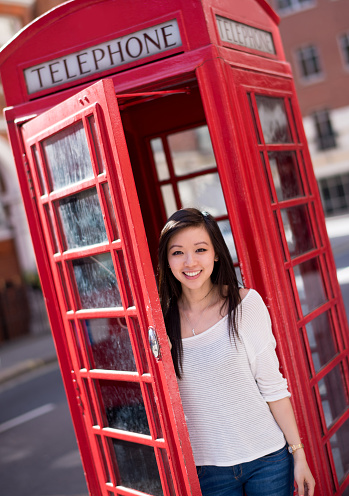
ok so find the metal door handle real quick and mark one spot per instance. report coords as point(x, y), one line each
point(154, 343)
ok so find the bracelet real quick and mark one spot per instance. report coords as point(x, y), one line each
point(294, 447)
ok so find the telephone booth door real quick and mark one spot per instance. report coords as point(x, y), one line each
point(87, 207)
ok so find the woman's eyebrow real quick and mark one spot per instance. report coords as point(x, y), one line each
point(175, 246)
point(200, 243)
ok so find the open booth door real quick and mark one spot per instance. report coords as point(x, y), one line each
point(109, 329)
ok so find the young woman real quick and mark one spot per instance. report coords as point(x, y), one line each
point(236, 403)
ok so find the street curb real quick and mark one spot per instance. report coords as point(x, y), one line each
point(24, 367)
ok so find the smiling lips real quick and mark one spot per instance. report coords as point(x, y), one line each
point(192, 274)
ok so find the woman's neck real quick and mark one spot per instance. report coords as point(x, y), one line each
point(194, 299)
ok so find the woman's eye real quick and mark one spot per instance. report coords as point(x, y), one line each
point(200, 250)
point(177, 252)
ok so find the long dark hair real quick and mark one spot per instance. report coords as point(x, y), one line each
point(170, 289)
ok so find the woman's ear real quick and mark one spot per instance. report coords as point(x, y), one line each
point(216, 258)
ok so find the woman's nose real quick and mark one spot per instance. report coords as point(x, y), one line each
point(190, 259)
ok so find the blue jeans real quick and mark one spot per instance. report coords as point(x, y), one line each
point(271, 475)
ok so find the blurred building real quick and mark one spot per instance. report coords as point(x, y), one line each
point(315, 35)
point(19, 307)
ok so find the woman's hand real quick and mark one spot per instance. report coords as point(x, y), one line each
point(302, 475)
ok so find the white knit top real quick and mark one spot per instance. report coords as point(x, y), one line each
point(225, 387)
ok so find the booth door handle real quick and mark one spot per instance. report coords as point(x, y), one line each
point(154, 343)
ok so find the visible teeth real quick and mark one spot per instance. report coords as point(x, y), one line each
point(192, 274)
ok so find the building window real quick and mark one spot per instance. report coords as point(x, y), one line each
point(344, 45)
point(309, 62)
point(289, 6)
point(335, 194)
point(326, 137)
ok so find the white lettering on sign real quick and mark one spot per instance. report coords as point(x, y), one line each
point(102, 57)
point(244, 35)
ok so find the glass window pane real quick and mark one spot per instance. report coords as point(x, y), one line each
point(310, 285)
point(97, 149)
point(285, 172)
point(333, 395)
point(191, 151)
point(298, 231)
point(225, 228)
point(137, 467)
point(96, 282)
point(67, 156)
point(109, 344)
point(81, 219)
point(124, 406)
point(273, 118)
point(203, 192)
point(321, 340)
point(169, 199)
point(39, 170)
point(160, 159)
point(110, 210)
point(51, 229)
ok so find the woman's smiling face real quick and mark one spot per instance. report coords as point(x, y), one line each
point(191, 257)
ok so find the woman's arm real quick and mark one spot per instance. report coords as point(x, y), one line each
point(283, 413)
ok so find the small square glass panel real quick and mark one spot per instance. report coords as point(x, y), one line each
point(286, 176)
point(298, 230)
point(333, 395)
point(67, 156)
point(273, 118)
point(81, 219)
point(321, 340)
point(96, 282)
point(310, 285)
point(205, 193)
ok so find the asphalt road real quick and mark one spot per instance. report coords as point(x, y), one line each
point(38, 450)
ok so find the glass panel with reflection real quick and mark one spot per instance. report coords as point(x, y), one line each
point(137, 467)
point(96, 282)
point(333, 395)
point(203, 192)
point(298, 231)
point(81, 219)
point(67, 156)
point(123, 406)
point(109, 344)
point(273, 118)
point(191, 151)
point(321, 340)
point(310, 285)
point(96, 144)
point(160, 159)
point(340, 451)
point(286, 176)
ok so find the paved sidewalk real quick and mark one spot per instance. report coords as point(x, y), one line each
point(24, 354)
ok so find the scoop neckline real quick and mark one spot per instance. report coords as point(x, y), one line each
point(209, 329)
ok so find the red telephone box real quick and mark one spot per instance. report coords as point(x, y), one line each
point(119, 113)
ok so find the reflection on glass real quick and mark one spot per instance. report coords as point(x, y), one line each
point(321, 341)
point(169, 199)
point(203, 192)
point(191, 151)
point(254, 118)
point(333, 395)
point(96, 282)
point(340, 450)
point(298, 231)
point(225, 228)
point(285, 172)
point(64, 286)
point(310, 285)
point(67, 156)
point(52, 231)
point(137, 467)
point(82, 219)
point(160, 159)
point(273, 118)
point(110, 209)
point(275, 179)
point(110, 345)
point(97, 148)
point(124, 406)
point(39, 170)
